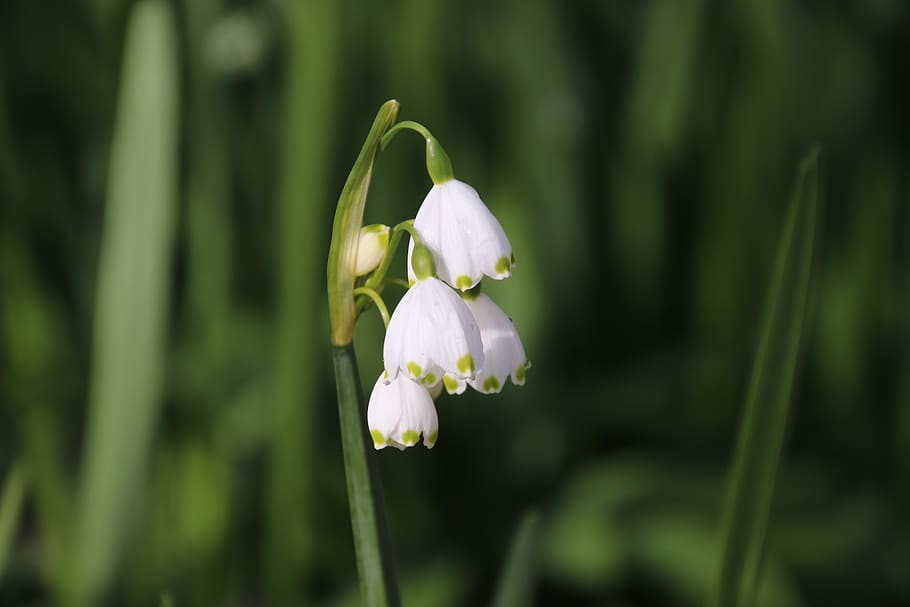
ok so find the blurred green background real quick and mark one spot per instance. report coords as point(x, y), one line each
point(167, 416)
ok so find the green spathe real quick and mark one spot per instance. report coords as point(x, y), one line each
point(346, 229)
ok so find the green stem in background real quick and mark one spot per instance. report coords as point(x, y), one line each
point(376, 280)
point(208, 203)
point(516, 583)
point(346, 230)
point(10, 508)
point(761, 436)
point(375, 568)
point(380, 305)
point(131, 302)
point(311, 72)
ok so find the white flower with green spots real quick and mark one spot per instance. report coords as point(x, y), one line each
point(432, 332)
point(503, 354)
point(465, 238)
point(400, 412)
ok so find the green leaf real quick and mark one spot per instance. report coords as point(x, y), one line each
point(133, 291)
point(761, 436)
point(516, 584)
point(10, 508)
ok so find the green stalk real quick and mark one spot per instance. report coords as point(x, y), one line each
point(208, 200)
point(371, 546)
point(760, 443)
point(371, 542)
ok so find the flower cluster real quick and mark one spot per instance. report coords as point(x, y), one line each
point(444, 331)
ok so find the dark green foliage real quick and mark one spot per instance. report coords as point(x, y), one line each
point(639, 154)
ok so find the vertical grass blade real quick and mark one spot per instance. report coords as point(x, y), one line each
point(207, 199)
point(760, 442)
point(10, 507)
point(132, 294)
point(313, 30)
point(378, 587)
point(516, 584)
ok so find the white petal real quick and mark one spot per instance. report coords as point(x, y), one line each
point(432, 332)
point(418, 416)
point(383, 411)
point(435, 390)
point(490, 247)
point(465, 238)
point(400, 413)
point(412, 278)
point(504, 354)
point(454, 385)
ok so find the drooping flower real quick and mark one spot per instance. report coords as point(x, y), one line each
point(432, 332)
point(465, 238)
point(503, 354)
point(400, 412)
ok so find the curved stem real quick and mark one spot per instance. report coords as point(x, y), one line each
point(439, 166)
point(380, 305)
point(400, 126)
point(398, 281)
point(375, 280)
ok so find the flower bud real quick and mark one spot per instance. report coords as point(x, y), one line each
point(371, 248)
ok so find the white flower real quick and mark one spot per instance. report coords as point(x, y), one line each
point(503, 354)
point(371, 247)
point(465, 238)
point(431, 333)
point(400, 412)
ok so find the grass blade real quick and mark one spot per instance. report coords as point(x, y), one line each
point(761, 435)
point(132, 294)
point(516, 584)
point(312, 74)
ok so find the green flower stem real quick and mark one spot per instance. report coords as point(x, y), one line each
point(439, 166)
point(376, 280)
point(371, 544)
point(380, 305)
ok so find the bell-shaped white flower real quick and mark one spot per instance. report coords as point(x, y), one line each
point(465, 238)
point(432, 332)
point(400, 412)
point(503, 354)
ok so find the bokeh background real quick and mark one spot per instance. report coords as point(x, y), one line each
point(639, 154)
